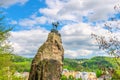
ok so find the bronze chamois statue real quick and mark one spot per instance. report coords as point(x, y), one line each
point(55, 25)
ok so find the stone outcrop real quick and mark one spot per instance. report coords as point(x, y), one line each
point(47, 63)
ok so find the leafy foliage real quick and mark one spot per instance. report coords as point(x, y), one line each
point(116, 75)
point(63, 77)
point(98, 73)
point(92, 64)
point(5, 57)
point(21, 64)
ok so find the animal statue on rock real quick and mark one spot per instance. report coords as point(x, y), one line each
point(55, 25)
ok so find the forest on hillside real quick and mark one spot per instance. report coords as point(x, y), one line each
point(95, 64)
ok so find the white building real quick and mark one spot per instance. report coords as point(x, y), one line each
point(82, 75)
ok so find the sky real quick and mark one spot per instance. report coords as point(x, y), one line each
point(78, 19)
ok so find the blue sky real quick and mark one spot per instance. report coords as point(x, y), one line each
point(78, 19)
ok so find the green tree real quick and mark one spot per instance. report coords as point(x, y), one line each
point(98, 73)
point(5, 50)
point(63, 77)
point(116, 75)
point(71, 78)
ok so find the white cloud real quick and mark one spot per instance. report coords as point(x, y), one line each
point(13, 22)
point(32, 21)
point(71, 10)
point(114, 24)
point(75, 9)
point(27, 42)
point(8, 3)
point(77, 40)
point(77, 53)
point(27, 22)
point(76, 37)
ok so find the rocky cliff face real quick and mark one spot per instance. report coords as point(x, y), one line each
point(47, 63)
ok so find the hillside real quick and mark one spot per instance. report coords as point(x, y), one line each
point(98, 62)
point(89, 64)
point(21, 64)
point(93, 64)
